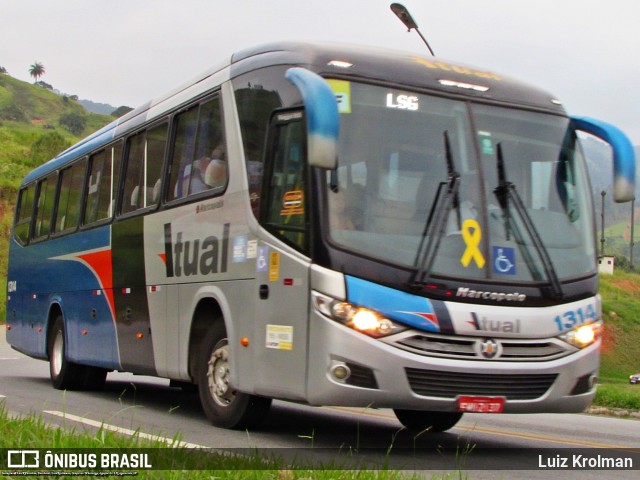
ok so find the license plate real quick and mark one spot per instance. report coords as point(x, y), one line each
point(481, 404)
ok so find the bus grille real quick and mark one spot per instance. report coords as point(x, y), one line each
point(469, 348)
point(434, 383)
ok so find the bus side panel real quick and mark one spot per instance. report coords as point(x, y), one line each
point(195, 252)
point(130, 296)
point(25, 276)
point(89, 327)
point(73, 272)
point(15, 300)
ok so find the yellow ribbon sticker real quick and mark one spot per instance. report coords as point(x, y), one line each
point(471, 234)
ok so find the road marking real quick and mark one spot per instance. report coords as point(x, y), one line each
point(10, 358)
point(533, 436)
point(494, 431)
point(124, 431)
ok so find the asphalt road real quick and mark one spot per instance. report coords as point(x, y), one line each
point(148, 405)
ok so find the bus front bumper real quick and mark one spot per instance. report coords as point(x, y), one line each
point(348, 368)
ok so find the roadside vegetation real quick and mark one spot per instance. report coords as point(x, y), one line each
point(180, 462)
point(620, 351)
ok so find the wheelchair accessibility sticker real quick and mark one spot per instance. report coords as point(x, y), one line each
point(504, 260)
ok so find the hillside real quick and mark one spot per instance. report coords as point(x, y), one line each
point(35, 125)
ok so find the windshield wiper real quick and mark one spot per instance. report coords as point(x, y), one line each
point(437, 219)
point(506, 194)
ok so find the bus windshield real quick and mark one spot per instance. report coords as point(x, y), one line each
point(421, 184)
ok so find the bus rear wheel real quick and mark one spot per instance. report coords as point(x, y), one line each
point(419, 421)
point(223, 405)
point(67, 375)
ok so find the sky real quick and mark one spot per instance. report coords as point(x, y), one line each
point(125, 52)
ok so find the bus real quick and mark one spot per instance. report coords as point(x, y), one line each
point(329, 225)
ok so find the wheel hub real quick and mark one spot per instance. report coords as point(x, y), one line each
point(218, 376)
point(57, 353)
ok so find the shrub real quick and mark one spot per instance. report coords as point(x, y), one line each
point(47, 146)
point(73, 122)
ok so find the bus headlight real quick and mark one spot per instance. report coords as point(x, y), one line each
point(361, 319)
point(584, 335)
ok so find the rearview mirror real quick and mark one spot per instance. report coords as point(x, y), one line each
point(322, 116)
point(624, 158)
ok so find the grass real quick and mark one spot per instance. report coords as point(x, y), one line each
point(31, 432)
point(621, 311)
point(615, 394)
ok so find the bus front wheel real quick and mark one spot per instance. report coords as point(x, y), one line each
point(222, 404)
point(418, 421)
point(66, 375)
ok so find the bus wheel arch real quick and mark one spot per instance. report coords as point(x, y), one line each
point(65, 374)
point(207, 313)
point(210, 367)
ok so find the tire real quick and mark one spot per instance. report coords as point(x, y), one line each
point(66, 375)
point(222, 405)
point(418, 421)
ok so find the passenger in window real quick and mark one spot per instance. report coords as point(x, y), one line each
point(209, 172)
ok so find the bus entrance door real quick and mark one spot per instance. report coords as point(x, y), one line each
point(281, 321)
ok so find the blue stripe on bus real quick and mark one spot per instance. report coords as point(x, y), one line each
point(403, 307)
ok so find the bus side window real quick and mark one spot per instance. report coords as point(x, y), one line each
point(70, 198)
point(24, 214)
point(102, 184)
point(198, 162)
point(186, 125)
point(46, 196)
point(144, 169)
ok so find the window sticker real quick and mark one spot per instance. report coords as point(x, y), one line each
point(472, 234)
point(504, 260)
point(240, 249)
point(486, 143)
point(279, 337)
point(342, 90)
point(262, 264)
point(293, 203)
point(274, 266)
point(252, 248)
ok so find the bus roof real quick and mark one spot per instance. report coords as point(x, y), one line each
point(400, 69)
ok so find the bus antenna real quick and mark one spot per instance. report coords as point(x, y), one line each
point(405, 17)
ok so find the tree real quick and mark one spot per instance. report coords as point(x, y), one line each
point(73, 122)
point(36, 70)
point(120, 111)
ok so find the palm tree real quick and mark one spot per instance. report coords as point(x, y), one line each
point(36, 70)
